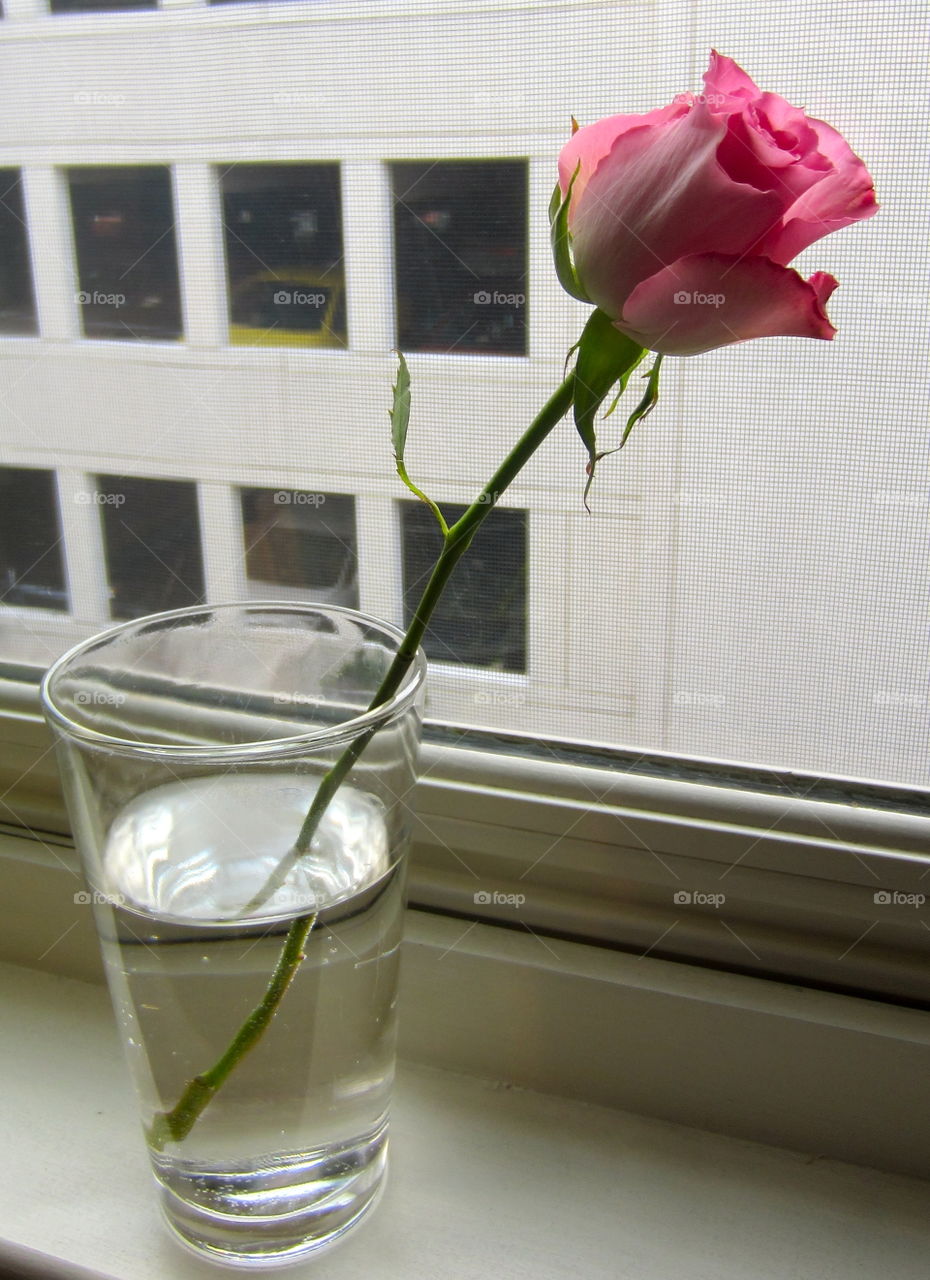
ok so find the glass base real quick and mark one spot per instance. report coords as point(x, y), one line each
point(275, 1211)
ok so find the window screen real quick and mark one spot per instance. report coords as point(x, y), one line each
point(460, 256)
point(151, 531)
point(481, 618)
point(301, 545)
point(17, 298)
point(93, 6)
point(751, 581)
point(31, 563)
point(124, 237)
point(284, 256)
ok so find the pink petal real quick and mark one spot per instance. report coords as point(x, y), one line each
point(823, 285)
point(593, 142)
point(723, 79)
point(791, 131)
point(725, 299)
point(772, 146)
point(843, 195)
point(660, 195)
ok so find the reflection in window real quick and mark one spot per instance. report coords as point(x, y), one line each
point(126, 252)
point(17, 299)
point(151, 531)
point(481, 618)
point(301, 545)
point(283, 229)
point(32, 570)
point(460, 256)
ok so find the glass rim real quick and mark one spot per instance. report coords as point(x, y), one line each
point(310, 739)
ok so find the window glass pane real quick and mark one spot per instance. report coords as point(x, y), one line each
point(283, 229)
point(17, 301)
point(32, 570)
point(301, 545)
point(481, 619)
point(152, 535)
point(460, 256)
point(124, 237)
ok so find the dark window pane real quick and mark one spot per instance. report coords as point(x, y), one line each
point(302, 542)
point(460, 255)
point(283, 227)
point(151, 531)
point(94, 6)
point(481, 618)
point(32, 570)
point(17, 299)
point(127, 258)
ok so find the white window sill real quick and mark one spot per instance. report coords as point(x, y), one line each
point(485, 1181)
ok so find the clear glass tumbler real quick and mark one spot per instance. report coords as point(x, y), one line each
point(254, 980)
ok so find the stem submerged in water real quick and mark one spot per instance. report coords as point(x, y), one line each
point(173, 1125)
point(176, 1124)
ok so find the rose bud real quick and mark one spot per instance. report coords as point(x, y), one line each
point(682, 221)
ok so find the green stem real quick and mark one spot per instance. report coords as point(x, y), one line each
point(174, 1125)
point(178, 1122)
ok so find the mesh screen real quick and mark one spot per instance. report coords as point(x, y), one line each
point(219, 222)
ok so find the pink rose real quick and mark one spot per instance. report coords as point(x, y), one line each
point(683, 220)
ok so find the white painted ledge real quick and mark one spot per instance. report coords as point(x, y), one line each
point(832, 1075)
point(486, 1181)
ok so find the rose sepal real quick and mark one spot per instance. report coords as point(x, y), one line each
point(605, 360)
point(561, 240)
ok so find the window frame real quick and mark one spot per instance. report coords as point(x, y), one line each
point(534, 1003)
point(598, 845)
